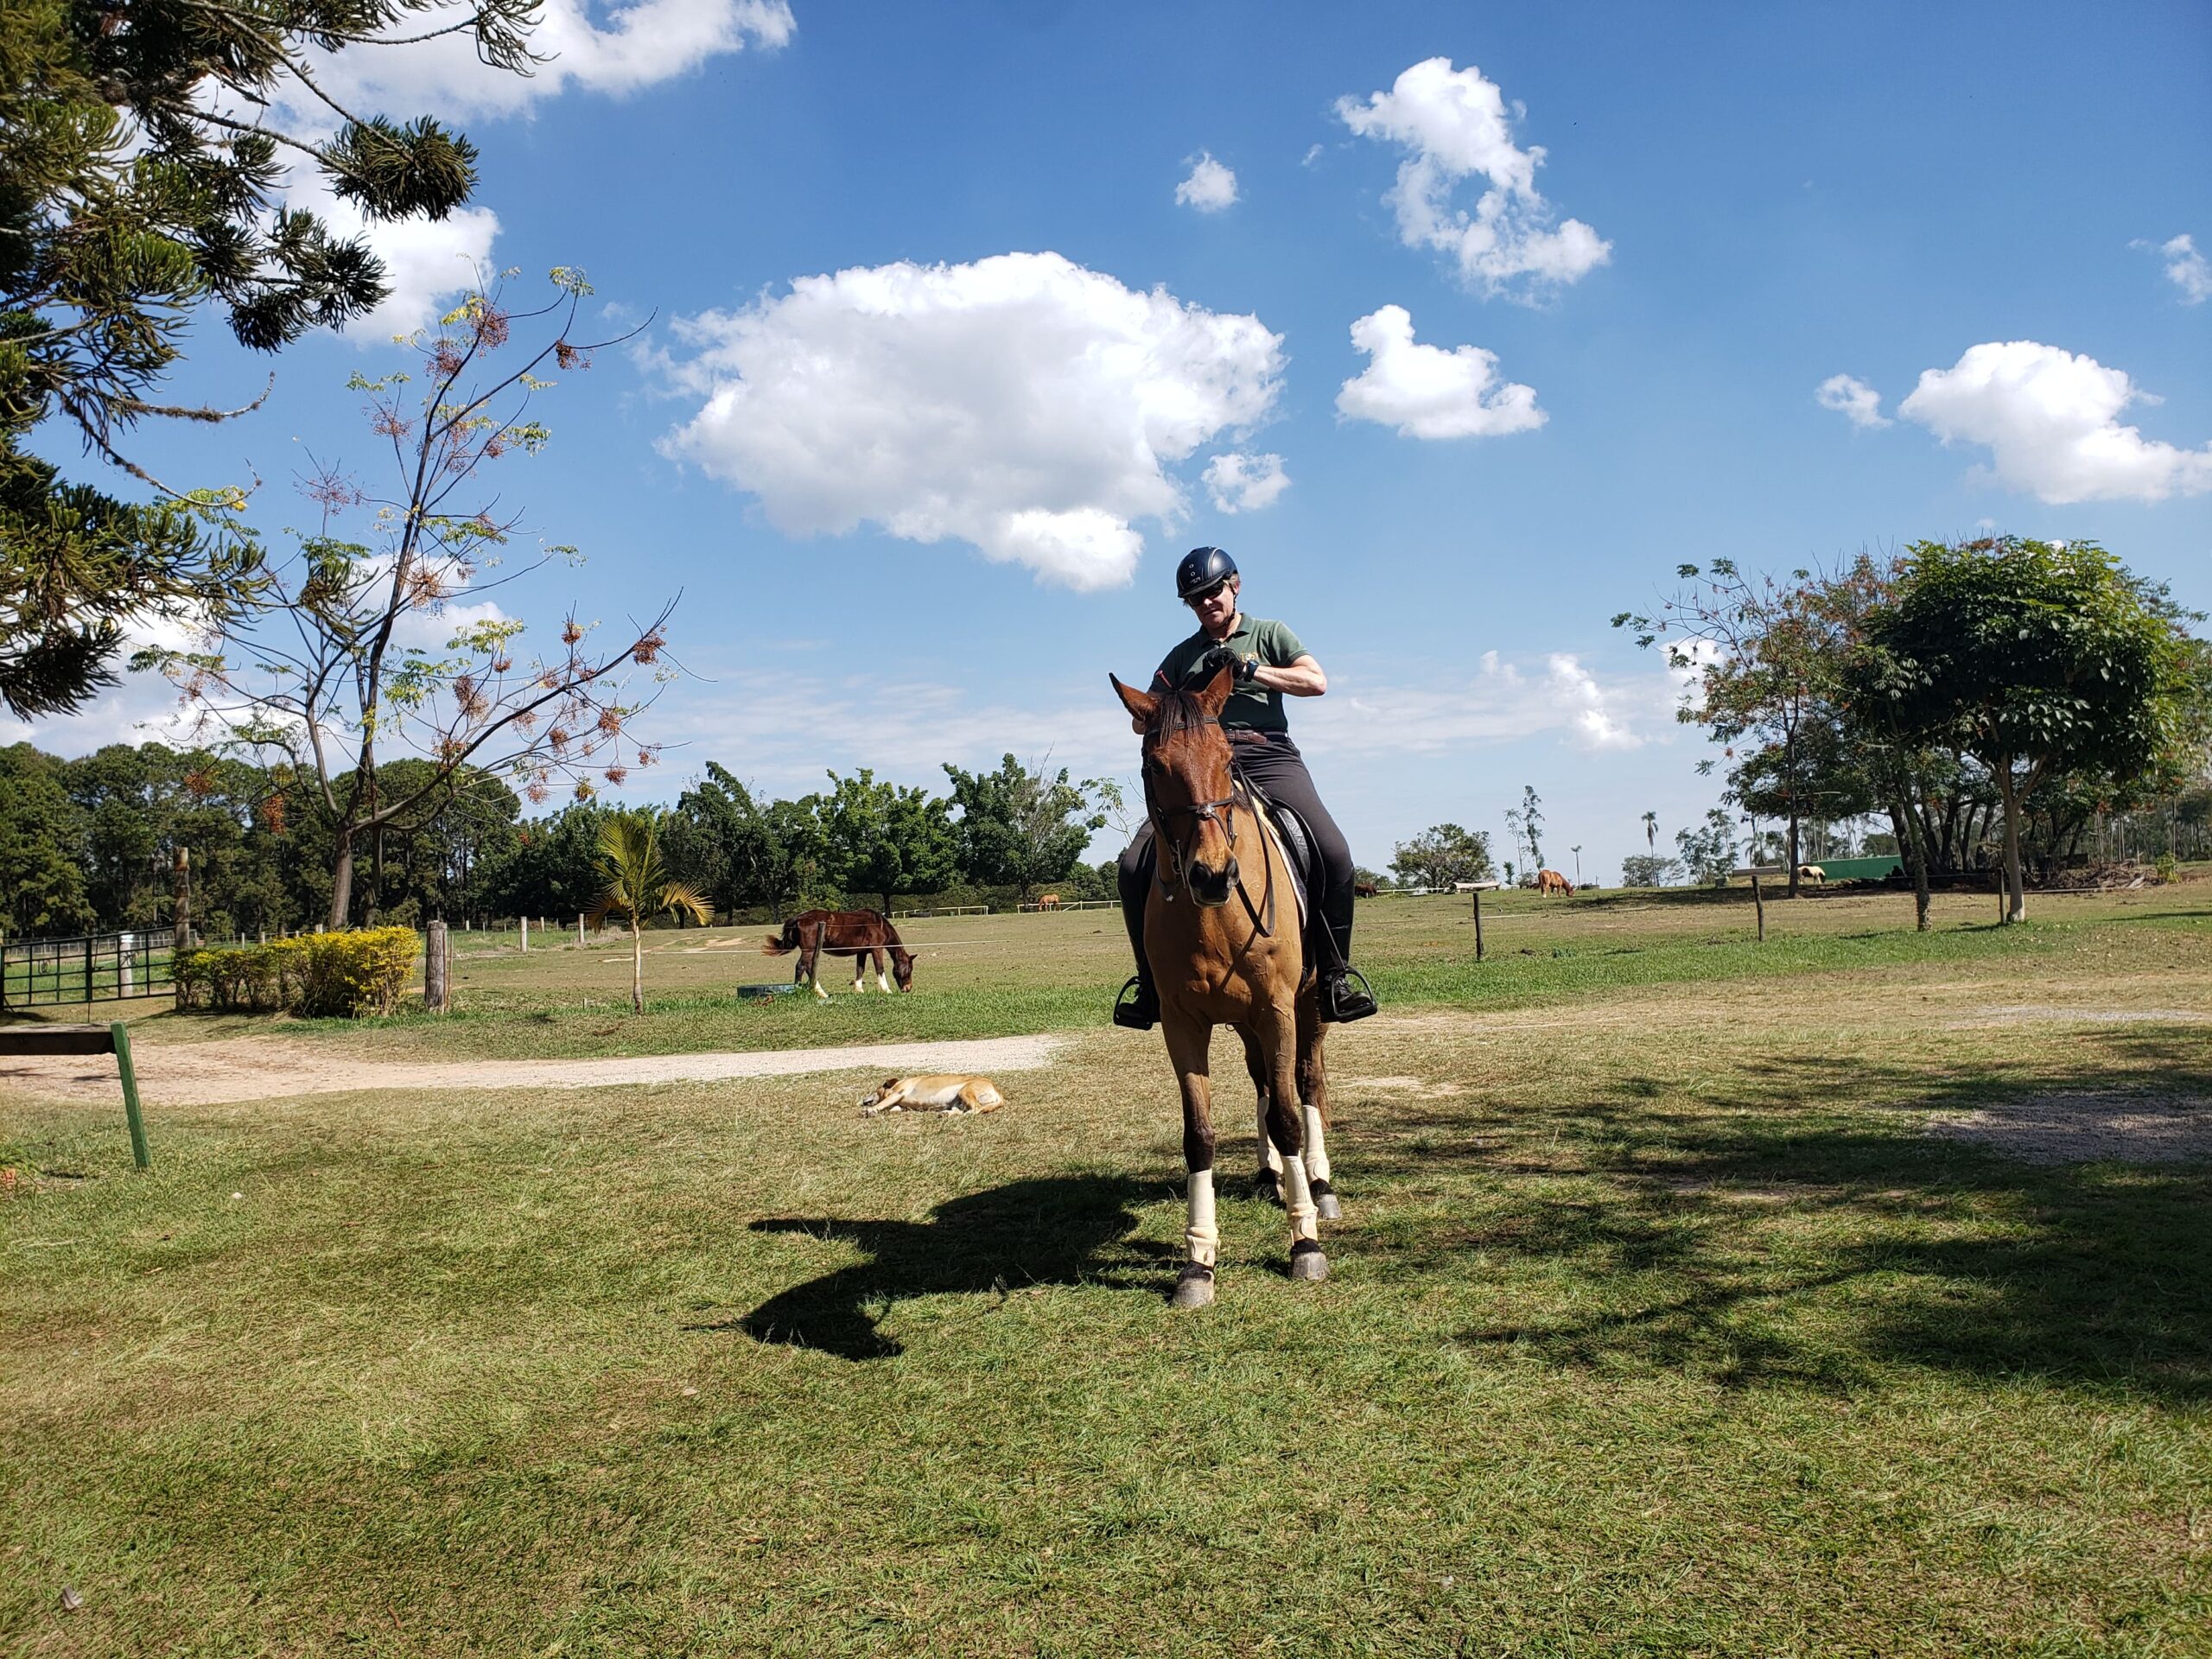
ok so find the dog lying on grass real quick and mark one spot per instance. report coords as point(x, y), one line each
point(941, 1091)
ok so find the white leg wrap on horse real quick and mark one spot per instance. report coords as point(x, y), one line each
point(1317, 1151)
point(1270, 1160)
point(1202, 1238)
point(883, 984)
point(1297, 1198)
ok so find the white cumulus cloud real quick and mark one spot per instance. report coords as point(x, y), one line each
point(611, 49)
point(616, 50)
point(1496, 701)
point(1241, 483)
point(1853, 399)
point(1453, 125)
point(2187, 270)
point(1428, 392)
point(1020, 403)
point(2051, 422)
point(1211, 187)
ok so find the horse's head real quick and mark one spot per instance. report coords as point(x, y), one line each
point(902, 967)
point(1188, 784)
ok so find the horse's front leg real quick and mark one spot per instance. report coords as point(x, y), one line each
point(1268, 1184)
point(859, 972)
point(1278, 1036)
point(1188, 1039)
point(1313, 1098)
point(882, 983)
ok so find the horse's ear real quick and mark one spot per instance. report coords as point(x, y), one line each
point(1215, 692)
point(1142, 707)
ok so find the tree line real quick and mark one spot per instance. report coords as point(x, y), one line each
point(87, 844)
point(1998, 701)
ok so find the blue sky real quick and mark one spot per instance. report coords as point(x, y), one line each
point(1775, 199)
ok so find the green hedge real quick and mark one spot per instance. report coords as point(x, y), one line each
point(329, 974)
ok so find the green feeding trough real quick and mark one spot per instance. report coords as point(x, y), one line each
point(1857, 869)
point(761, 992)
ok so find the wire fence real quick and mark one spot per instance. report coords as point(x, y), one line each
point(89, 968)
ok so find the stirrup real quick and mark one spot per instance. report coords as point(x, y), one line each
point(1340, 1002)
point(1139, 1013)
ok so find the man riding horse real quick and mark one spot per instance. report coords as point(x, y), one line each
point(1269, 664)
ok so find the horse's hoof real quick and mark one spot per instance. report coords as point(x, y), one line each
point(1307, 1263)
point(1267, 1186)
point(1194, 1288)
point(1326, 1207)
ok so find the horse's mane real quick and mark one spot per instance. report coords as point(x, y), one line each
point(1178, 711)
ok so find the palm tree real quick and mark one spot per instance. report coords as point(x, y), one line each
point(1651, 830)
point(639, 886)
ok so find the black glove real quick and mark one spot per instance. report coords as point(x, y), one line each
point(1222, 656)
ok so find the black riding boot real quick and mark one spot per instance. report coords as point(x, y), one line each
point(1141, 1011)
point(1342, 1002)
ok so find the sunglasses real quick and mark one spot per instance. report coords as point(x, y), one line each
point(1214, 592)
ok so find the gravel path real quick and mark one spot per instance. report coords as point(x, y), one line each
point(199, 1074)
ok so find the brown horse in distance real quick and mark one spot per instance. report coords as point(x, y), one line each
point(1220, 933)
point(864, 935)
point(1553, 881)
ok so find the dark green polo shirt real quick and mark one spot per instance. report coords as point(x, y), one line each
point(1250, 707)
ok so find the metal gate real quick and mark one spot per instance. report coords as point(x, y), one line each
point(91, 968)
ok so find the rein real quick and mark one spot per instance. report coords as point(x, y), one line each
point(1224, 812)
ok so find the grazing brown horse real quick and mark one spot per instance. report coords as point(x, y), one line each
point(863, 935)
point(1553, 881)
point(1221, 931)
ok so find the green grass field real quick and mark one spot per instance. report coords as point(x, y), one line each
point(1658, 1322)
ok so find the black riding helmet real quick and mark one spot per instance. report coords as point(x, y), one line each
point(1202, 568)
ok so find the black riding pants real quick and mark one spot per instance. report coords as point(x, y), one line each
point(1279, 771)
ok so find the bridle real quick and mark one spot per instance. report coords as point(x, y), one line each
point(1173, 859)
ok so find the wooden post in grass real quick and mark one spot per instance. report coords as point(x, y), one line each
point(121, 1035)
point(436, 960)
point(579, 930)
point(1759, 898)
point(523, 922)
point(1477, 888)
point(180, 876)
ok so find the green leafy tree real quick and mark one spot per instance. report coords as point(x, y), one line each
point(1708, 852)
point(1765, 660)
point(742, 851)
point(141, 173)
point(2036, 658)
point(881, 838)
point(325, 681)
point(1526, 821)
point(1441, 854)
point(1648, 870)
point(1021, 826)
point(41, 838)
point(551, 869)
point(639, 886)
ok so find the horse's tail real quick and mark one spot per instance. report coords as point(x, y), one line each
point(782, 943)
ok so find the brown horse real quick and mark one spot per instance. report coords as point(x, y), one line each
point(1221, 932)
point(863, 935)
point(1553, 881)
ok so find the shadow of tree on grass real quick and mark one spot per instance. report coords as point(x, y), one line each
point(1794, 1223)
point(1061, 1230)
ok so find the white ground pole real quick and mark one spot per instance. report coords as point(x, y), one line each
point(1202, 1237)
point(524, 923)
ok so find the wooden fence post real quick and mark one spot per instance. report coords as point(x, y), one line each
point(1758, 903)
point(436, 960)
point(138, 1154)
point(523, 922)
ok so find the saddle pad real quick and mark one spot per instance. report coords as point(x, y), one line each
point(1292, 838)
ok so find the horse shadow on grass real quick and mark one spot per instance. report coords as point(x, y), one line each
point(1793, 1225)
point(1060, 1229)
